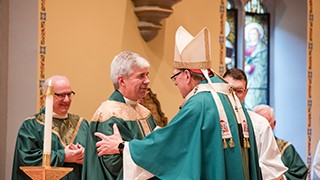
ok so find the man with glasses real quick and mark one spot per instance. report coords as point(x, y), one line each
point(269, 154)
point(209, 138)
point(238, 80)
point(68, 134)
point(129, 75)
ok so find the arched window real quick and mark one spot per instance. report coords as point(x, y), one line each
point(230, 4)
point(255, 6)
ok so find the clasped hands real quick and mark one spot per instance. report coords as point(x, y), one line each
point(74, 153)
point(109, 144)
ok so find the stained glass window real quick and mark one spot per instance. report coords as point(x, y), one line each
point(255, 6)
point(256, 61)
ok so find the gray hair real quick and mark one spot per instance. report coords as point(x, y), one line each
point(54, 79)
point(265, 108)
point(123, 64)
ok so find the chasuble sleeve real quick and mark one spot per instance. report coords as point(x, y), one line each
point(29, 148)
point(297, 168)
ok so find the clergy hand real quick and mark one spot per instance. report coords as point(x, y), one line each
point(74, 153)
point(109, 144)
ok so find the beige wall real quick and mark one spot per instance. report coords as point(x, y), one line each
point(82, 38)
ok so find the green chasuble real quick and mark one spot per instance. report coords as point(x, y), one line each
point(191, 145)
point(29, 144)
point(291, 159)
point(134, 122)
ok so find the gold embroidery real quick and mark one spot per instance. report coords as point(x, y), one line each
point(140, 128)
point(65, 129)
point(124, 111)
point(282, 145)
point(145, 126)
point(120, 110)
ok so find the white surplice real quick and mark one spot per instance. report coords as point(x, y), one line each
point(270, 161)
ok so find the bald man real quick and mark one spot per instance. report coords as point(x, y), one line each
point(68, 135)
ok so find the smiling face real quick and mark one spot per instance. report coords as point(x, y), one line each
point(62, 104)
point(134, 86)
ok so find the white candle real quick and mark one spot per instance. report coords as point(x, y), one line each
point(48, 119)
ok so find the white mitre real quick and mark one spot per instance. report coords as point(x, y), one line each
point(192, 52)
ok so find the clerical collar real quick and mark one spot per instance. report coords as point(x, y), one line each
point(55, 115)
point(130, 102)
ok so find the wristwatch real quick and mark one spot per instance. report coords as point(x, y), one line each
point(121, 147)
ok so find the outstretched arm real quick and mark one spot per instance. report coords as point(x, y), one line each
point(109, 144)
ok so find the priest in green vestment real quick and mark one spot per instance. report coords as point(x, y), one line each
point(211, 137)
point(68, 135)
point(129, 75)
point(289, 156)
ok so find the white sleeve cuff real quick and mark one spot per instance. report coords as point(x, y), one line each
point(130, 169)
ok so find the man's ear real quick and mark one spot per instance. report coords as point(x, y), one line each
point(188, 74)
point(121, 81)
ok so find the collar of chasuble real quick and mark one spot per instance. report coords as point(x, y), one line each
point(121, 110)
point(282, 145)
point(66, 129)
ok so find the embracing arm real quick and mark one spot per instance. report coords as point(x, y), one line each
point(109, 144)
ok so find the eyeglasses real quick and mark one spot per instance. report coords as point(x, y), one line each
point(63, 95)
point(239, 90)
point(173, 78)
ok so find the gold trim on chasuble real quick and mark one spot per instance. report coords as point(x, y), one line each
point(192, 65)
point(282, 145)
point(124, 111)
point(66, 129)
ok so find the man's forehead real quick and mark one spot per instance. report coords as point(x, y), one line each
point(139, 70)
point(235, 83)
